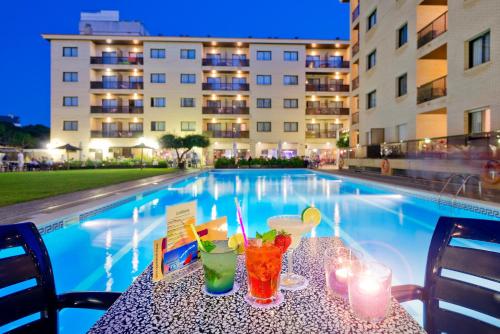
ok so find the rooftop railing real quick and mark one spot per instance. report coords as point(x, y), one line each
point(433, 30)
point(432, 90)
point(225, 62)
point(226, 110)
point(327, 111)
point(116, 85)
point(225, 86)
point(327, 63)
point(117, 60)
point(116, 110)
point(327, 88)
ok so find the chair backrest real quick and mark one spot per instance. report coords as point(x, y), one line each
point(27, 261)
point(454, 251)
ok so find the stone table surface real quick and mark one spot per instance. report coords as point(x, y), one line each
point(182, 307)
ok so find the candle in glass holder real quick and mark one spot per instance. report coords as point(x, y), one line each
point(337, 270)
point(370, 290)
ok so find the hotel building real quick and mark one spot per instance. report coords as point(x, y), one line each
point(423, 69)
point(114, 86)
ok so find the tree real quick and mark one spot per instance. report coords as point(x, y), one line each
point(185, 144)
point(343, 141)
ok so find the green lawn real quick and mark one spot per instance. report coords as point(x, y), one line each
point(22, 187)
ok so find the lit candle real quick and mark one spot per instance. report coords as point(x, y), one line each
point(368, 286)
point(341, 274)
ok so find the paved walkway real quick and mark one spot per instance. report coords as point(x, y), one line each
point(48, 206)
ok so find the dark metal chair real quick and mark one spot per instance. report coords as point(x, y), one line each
point(41, 298)
point(471, 261)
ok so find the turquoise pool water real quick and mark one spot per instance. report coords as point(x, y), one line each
point(109, 250)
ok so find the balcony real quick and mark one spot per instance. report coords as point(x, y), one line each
point(431, 90)
point(326, 63)
point(117, 60)
point(225, 62)
point(355, 49)
point(321, 134)
point(225, 86)
point(355, 83)
point(226, 134)
point(355, 118)
point(327, 111)
point(326, 88)
point(433, 30)
point(116, 134)
point(116, 110)
point(116, 85)
point(355, 14)
point(225, 110)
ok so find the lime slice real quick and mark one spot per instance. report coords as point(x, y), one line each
point(311, 215)
point(237, 242)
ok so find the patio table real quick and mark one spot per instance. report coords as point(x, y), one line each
point(182, 307)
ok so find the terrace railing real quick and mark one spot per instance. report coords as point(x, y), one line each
point(327, 63)
point(226, 134)
point(117, 60)
point(355, 118)
point(355, 49)
point(116, 134)
point(355, 83)
point(327, 111)
point(327, 88)
point(321, 134)
point(432, 90)
point(225, 62)
point(116, 85)
point(116, 110)
point(226, 110)
point(225, 86)
point(355, 14)
point(432, 30)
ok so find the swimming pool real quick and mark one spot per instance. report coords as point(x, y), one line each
point(108, 250)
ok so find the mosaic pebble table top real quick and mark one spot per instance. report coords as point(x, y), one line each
point(182, 307)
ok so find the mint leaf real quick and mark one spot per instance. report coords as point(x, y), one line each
point(210, 274)
point(208, 245)
point(269, 236)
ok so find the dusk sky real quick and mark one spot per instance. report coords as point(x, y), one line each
point(26, 85)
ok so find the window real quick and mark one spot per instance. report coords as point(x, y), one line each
point(263, 126)
point(187, 102)
point(70, 76)
point(402, 85)
point(188, 126)
point(371, 60)
point(263, 103)
point(403, 35)
point(372, 19)
point(291, 56)
point(188, 78)
point(70, 51)
point(70, 126)
point(290, 80)
point(158, 102)
point(70, 101)
point(158, 78)
point(291, 126)
point(479, 50)
point(476, 121)
point(158, 126)
point(371, 99)
point(290, 103)
point(264, 55)
point(264, 79)
point(135, 127)
point(188, 53)
point(157, 53)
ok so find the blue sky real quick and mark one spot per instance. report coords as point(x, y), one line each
point(26, 66)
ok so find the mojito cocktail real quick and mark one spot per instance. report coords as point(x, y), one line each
point(219, 267)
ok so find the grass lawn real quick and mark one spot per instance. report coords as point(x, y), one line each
point(22, 187)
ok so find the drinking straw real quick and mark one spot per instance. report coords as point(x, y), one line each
point(238, 210)
point(197, 237)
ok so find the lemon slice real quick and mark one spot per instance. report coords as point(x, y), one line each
point(237, 242)
point(311, 215)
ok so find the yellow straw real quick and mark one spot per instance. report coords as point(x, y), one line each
point(197, 238)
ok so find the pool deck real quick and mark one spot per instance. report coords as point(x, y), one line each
point(45, 210)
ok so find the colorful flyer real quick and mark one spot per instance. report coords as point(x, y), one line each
point(178, 216)
point(165, 262)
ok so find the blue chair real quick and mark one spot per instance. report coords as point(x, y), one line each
point(34, 263)
point(474, 262)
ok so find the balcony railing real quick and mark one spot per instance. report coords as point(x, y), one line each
point(431, 90)
point(225, 86)
point(355, 13)
point(321, 134)
point(355, 49)
point(327, 111)
point(326, 88)
point(116, 110)
point(355, 118)
point(355, 83)
point(226, 134)
point(117, 60)
point(433, 30)
point(116, 134)
point(326, 63)
point(116, 85)
point(226, 110)
point(225, 62)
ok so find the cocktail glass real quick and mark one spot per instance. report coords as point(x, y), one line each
point(263, 262)
point(293, 225)
point(219, 267)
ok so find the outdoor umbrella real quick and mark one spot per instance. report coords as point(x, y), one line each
point(142, 146)
point(68, 148)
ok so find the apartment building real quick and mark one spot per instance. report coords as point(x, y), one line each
point(255, 96)
point(424, 68)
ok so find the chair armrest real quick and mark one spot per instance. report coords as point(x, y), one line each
point(404, 293)
point(88, 300)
